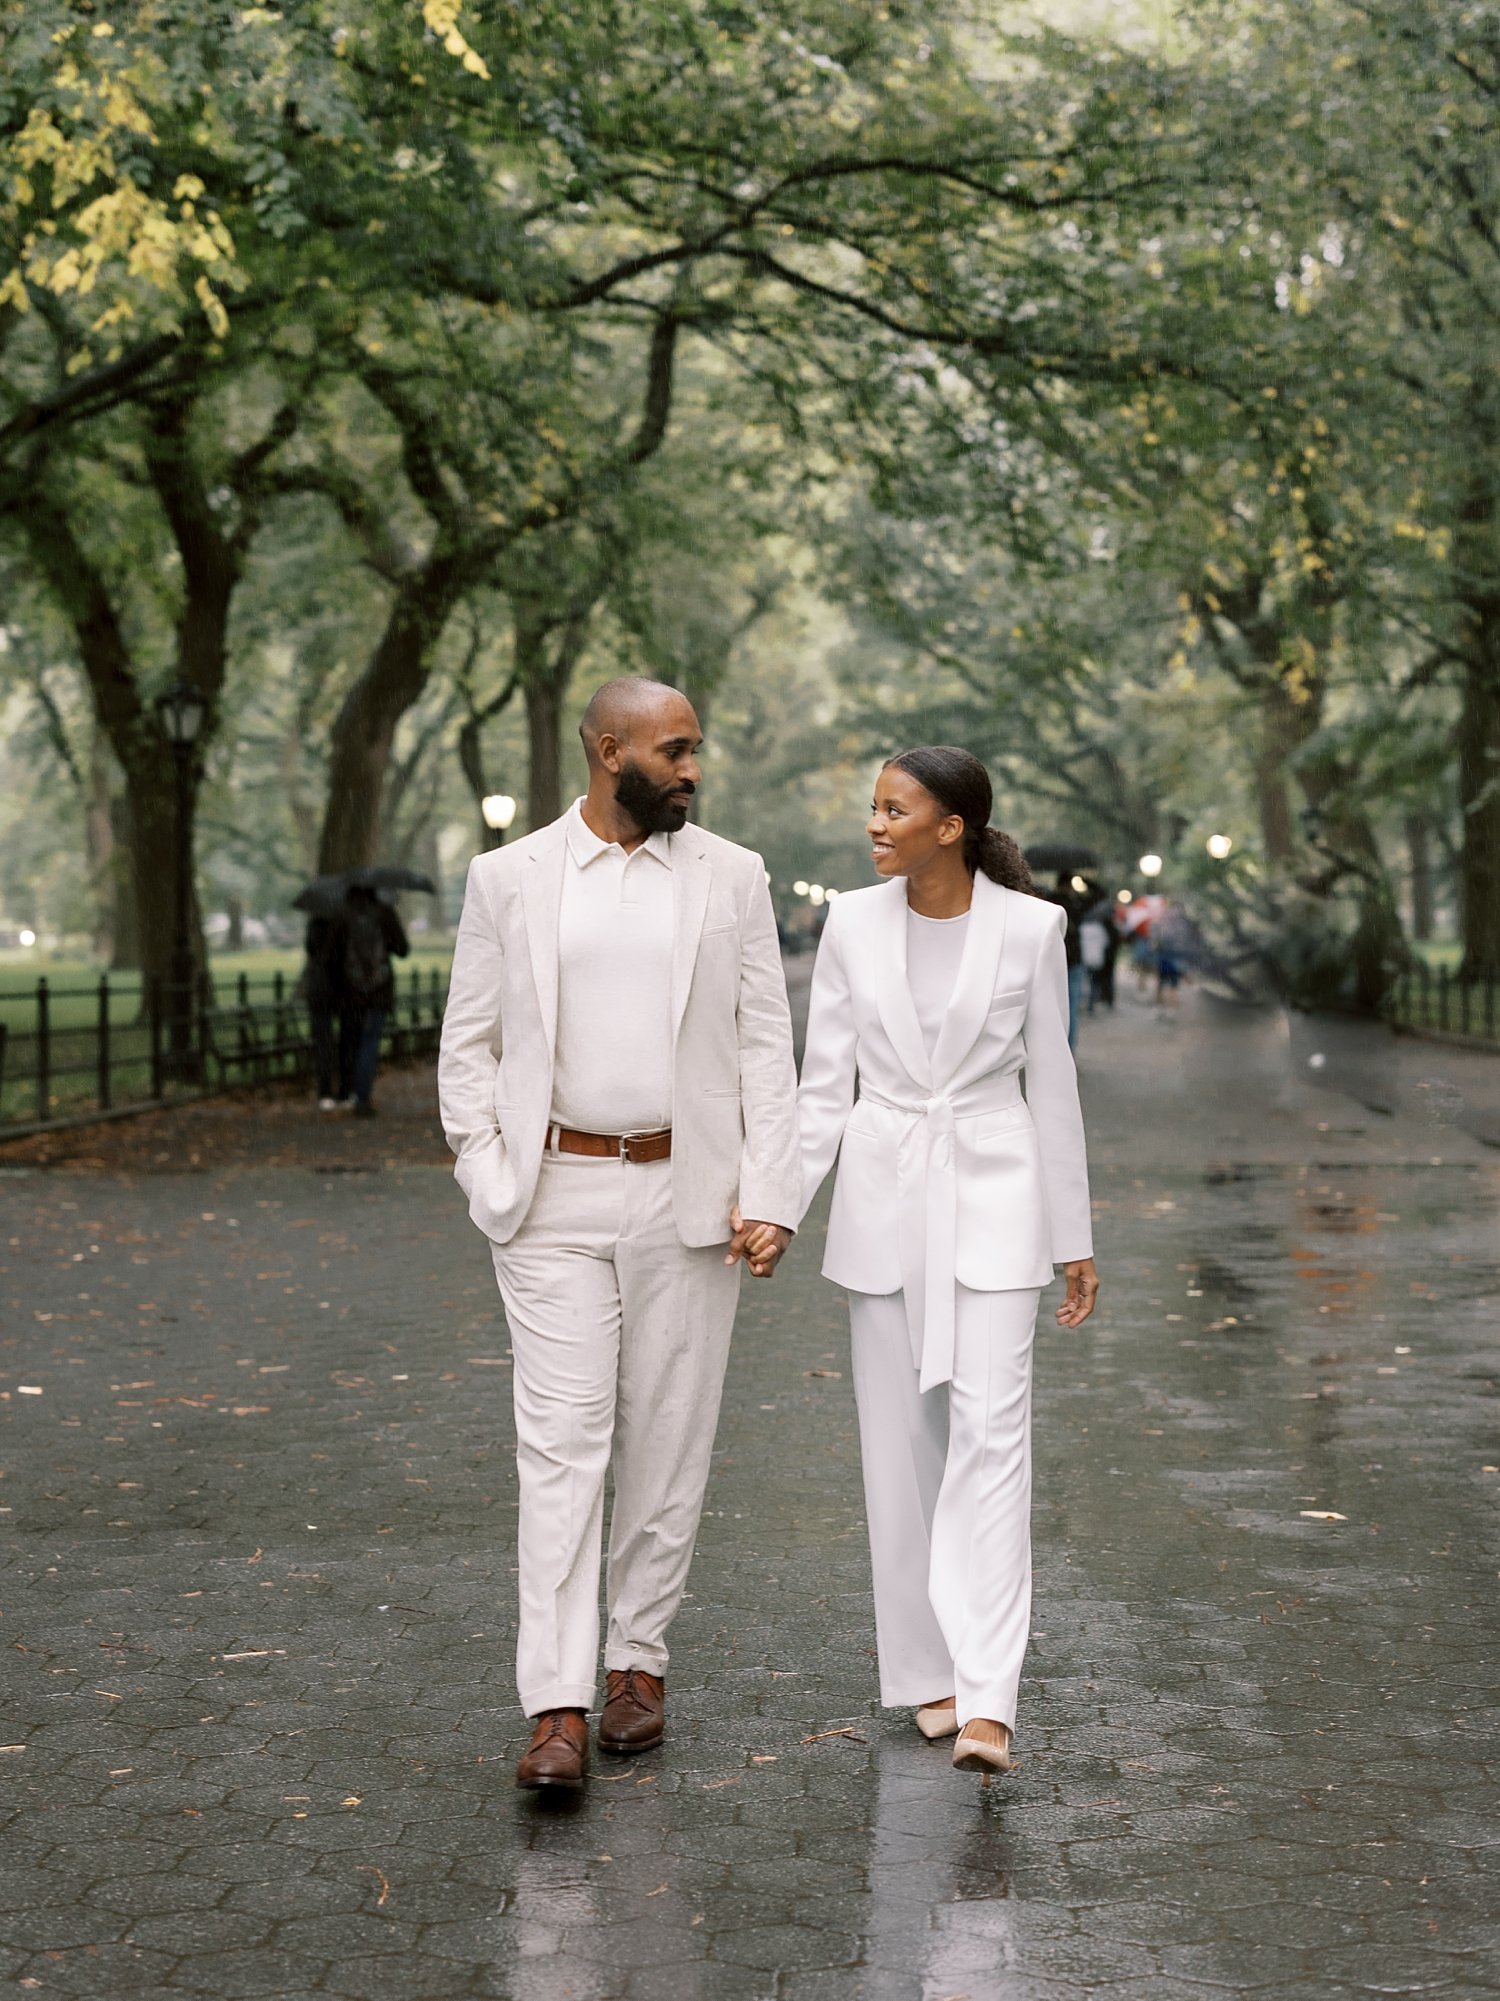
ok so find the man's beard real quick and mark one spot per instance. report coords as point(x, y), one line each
point(652, 807)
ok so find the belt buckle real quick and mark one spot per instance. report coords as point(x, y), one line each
point(627, 1140)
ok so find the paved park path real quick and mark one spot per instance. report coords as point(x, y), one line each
point(256, 1510)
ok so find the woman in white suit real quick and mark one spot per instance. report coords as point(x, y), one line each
point(934, 992)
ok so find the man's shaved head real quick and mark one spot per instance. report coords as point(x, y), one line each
point(629, 707)
point(642, 740)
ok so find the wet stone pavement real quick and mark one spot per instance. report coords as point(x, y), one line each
point(256, 1509)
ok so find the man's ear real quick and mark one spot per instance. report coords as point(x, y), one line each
point(610, 753)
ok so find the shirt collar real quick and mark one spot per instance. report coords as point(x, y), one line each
point(585, 846)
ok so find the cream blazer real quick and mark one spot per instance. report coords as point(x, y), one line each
point(734, 1080)
point(946, 1171)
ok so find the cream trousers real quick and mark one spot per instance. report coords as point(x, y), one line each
point(948, 1498)
point(620, 1335)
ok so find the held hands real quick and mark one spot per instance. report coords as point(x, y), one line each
point(761, 1245)
point(1083, 1289)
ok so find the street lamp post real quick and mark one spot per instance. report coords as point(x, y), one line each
point(499, 810)
point(180, 711)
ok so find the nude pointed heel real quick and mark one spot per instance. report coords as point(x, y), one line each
point(936, 1720)
point(977, 1754)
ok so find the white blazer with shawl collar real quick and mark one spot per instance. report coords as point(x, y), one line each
point(946, 1171)
point(734, 1118)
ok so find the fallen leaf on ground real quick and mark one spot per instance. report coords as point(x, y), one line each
point(1321, 1515)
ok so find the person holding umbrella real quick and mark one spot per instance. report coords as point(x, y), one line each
point(373, 934)
point(322, 989)
point(352, 936)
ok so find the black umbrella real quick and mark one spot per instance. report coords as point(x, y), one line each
point(1057, 857)
point(327, 895)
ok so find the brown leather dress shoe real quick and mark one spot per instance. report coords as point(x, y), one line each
point(558, 1754)
point(634, 1717)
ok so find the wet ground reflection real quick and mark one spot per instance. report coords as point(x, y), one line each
point(260, 1662)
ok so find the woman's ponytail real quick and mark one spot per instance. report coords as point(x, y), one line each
point(961, 785)
point(996, 855)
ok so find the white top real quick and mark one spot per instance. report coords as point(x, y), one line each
point(613, 1066)
point(934, 953)
point(1093, 942)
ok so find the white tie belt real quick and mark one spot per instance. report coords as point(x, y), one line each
point(927, 1191)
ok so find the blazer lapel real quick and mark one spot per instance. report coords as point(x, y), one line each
point(692, 878)
point(975, 987)
point(541, 902)
point(898, 1013)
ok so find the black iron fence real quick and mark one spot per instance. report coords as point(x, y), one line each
point(69, 1049)
point(1435, 999)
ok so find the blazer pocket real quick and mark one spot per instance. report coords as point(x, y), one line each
point(1000, 1125)
point(1017, 997)
point(721, 1091)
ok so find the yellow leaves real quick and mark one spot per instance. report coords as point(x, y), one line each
point(113, 316)
point(441, 20)
point(213, 307)
point(124, 110)
point(13, 290)
point(101, 30)
point(187, 188)
point(39, 141)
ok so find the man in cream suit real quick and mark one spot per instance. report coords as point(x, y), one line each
point(617, 1083)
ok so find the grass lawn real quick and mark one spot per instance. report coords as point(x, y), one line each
point(73, 1017)
point(73, 983)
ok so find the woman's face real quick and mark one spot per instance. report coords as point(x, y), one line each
point(909, 830)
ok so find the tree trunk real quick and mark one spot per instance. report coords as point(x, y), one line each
point(1476, 569)
point(125, 920)
point(1283, 727)
point(99, 846)
point(149, 815)
point(544, 748)
point(154, 843)
point(1419, 861)
point(365, 729)
point(545, 675)
point(1479, 802)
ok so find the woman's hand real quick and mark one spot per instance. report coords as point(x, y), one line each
point(761, 1245)
point(1083, 1290)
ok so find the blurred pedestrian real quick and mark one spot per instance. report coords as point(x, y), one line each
point(1096, 946)
point(323, 990)
point(1066, 898)
point(1173, 939)
point(372, 936)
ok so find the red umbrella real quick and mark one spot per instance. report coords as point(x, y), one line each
point(1137, 917)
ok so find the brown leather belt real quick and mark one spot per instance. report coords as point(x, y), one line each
point(636, 1147)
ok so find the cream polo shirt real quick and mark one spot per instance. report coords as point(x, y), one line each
point(613, 1067)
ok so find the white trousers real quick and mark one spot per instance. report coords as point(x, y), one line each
point(620, 1335)
point(948, 1499)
